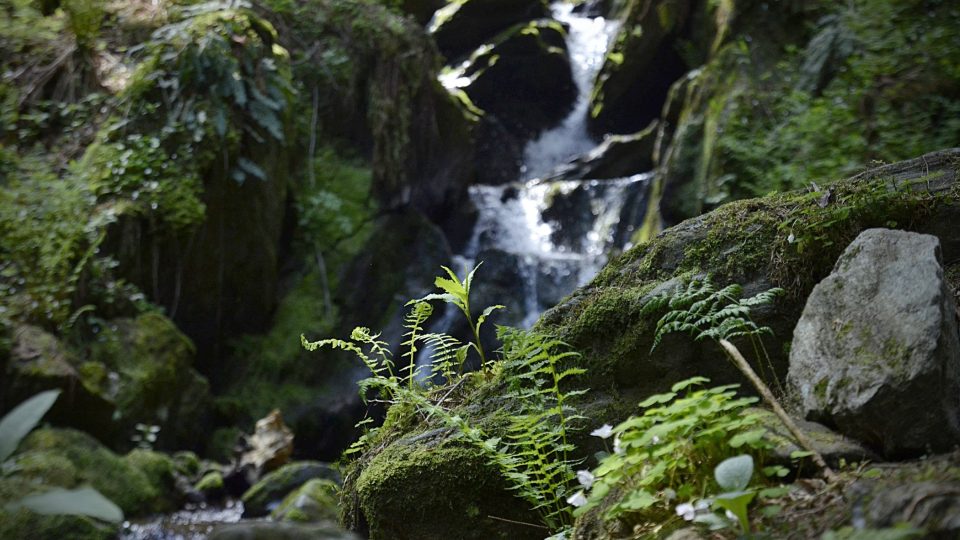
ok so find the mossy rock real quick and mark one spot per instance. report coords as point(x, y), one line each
point(260, 499)
point(160, 470)
point(211, 486)
point(789, 240)
point(317, 500)
point(39, 361)
point(119, 479)
point(26, 524)
point(428, 489)
point(157, 384)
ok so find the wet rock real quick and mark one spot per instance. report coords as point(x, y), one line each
point(464, 25)
point(317, 500)
point(270, 446)
point(834, 448)
point(39, 361)
point(640, 67)
point(877, 350)
point(280, 531)
point(266, 494)
point(499, 152)
point(924, 494)
point(500, 281)
point(616, 157)
point(556, 278)
point(523, 77)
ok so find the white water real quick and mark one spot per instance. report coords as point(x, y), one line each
point(587, 41)
point(510, 218)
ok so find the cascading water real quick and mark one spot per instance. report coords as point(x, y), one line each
point(587, 42)
point(539, 239)
point(553, 236)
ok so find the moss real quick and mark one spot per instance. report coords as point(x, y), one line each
point(210, 485)
point(186, 463)
point(273, 487)
point(412, 484)
point(117, 479)
point(314, 501)
point(160, 470)
point(26, 524)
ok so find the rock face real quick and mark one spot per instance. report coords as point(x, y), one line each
point(877, 349)
point(463, 25)
point(39, 361)
point(260, 499)
point(523, 77)
point(617, 156)
point(640, 68)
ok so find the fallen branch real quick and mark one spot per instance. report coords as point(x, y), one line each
point(764, 390)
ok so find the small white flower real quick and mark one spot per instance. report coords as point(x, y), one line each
point(702, 505)
point(655, 440)
point(603, 431)
point(731, 516)
point(577, 499)
point(669, 494)
point(686, 511)
point(585, 478)
point(617, 449)
point(791, 239)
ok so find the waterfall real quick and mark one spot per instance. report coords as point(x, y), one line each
point(545, 238)
point(587, 41)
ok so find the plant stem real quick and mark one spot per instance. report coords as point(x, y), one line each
point(788, 422)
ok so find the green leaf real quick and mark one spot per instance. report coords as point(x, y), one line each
point(734, 474)
point(638, 500)
point(689, 382)
point(736, 502)
point(84, 501)
point(22, 419)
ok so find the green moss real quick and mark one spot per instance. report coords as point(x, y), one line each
point(316, 500)
point(210, 484)
point(26, 524)
point(117, 479)
point(278, 484)
point(159, 470)
point(433, 475)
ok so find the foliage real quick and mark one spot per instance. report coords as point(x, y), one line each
point(457, 292)
point(706, 312)
point(85, 501)
point(533, 451)
point(878, 81)
point(20, 421)
point(670, 451)
point(733, 475)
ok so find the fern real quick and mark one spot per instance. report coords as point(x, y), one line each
point(457, 292)
point(533, 452)
point(705, 312)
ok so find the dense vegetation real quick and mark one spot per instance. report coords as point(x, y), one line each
point(187, 187)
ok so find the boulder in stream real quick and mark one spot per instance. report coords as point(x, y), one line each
point(877, 350)
point(266, 494)
point(270, 446)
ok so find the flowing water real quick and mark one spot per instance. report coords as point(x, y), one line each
point(557, 234)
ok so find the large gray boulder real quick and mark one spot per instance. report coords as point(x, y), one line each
point(877, 351)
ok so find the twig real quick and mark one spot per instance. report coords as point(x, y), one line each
point(788, 422)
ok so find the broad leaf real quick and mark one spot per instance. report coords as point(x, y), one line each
point(84, 501)
point(734, 474)
point(22, 419)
